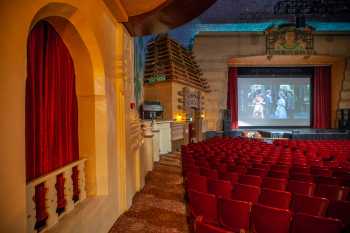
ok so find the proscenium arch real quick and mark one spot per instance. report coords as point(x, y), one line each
point(89, 71)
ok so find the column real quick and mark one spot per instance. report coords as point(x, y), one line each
point(156, 148)
point(147, 148)
point(31, 218)
point(68, 189)
point(51, 201)
point(81, 169)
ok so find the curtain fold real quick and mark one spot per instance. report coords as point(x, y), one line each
point(51, 103)
point(232, 105)
point(322, 97)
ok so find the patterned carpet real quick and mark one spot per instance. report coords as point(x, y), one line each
point(160, 206)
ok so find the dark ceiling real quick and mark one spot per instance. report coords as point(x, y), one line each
point(174, 13)
point(230, 11)
point(171, 14)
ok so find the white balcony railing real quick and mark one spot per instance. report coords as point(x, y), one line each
point(49, 182)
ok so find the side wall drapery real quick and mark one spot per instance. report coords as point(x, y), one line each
point(322, 97)
point(51, 103)
point(232, 104)
point(51, 110)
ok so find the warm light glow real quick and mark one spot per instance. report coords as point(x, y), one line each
point(178, 117)
point(202, 115)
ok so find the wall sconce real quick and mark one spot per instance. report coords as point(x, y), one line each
point(203, 115)
point(178, 117)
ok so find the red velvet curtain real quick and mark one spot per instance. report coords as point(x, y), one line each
point(232, 105)
point(322, 97)
point(51, 103)
point(51, 111)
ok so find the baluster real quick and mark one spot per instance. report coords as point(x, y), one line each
point(81, 169)
point(68, 189)
point(51, 201)
point(31, 218)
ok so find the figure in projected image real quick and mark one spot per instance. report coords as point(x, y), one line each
point(258, 103)
point(290, 104)
point(281, 112)
point(268, 103)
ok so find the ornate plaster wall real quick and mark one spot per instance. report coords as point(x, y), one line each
point(216, 52)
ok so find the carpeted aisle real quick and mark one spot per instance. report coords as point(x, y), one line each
point(160, 206)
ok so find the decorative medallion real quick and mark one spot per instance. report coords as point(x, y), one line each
point(289, 40)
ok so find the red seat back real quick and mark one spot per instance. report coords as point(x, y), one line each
point(298, 169)
point(197, 182)
point(247, 193)
point(202, 227)
point(301, 187)
point(275, 198)
point(315, 171)
point(332, 192)
point(330, 180)
point(267, 219)
point(209, 173)
point(257, 172)
point(309, 205)
point(279, 174)
point(234, 214)
point(306, 177)
point(340, 210)
point(274, 183)
point(203, 204)
point(220, 188)
point(230, 176)
point(250, 180)
point(304, 223)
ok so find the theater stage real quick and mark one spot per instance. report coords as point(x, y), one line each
point(303, 133)
point(288, 133)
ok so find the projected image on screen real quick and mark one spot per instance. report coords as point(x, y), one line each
point(277, 101)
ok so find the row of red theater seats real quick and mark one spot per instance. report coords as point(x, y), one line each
point(301, 202)
point(225, 187)
point(281, 165)
point(265, 200)
point(268, 157)
point(221, 215)
point(226, 144)
point(256, 175)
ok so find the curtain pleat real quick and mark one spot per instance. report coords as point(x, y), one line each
point(322, 97)
point(232, 104)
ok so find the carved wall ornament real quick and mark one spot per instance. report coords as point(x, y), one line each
point(289, 40)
